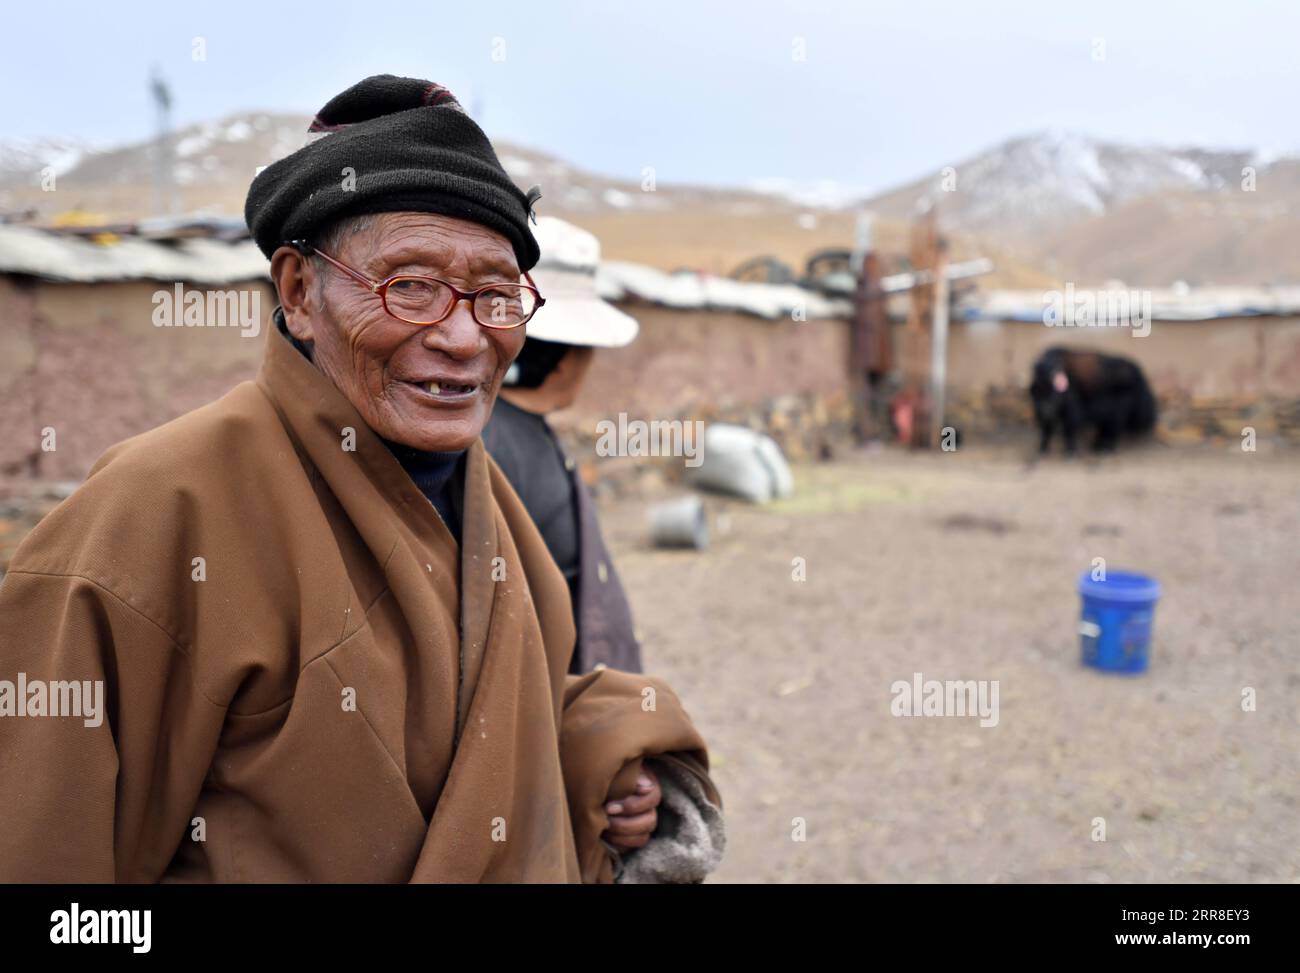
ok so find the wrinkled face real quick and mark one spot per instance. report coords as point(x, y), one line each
point(430, 387)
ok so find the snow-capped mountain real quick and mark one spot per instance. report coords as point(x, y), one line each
point(221, 154)
point(24, 160)
point(1049, 206)
point(813, 193)
point(213, 162)
point(1039, 183)
point(211, 166)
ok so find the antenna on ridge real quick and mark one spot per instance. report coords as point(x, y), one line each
point(164, 189)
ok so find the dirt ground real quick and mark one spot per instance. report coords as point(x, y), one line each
point(963, 566)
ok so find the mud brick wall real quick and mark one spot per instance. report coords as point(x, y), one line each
point(1211, 378)
point(786, 378)
point(87, 361)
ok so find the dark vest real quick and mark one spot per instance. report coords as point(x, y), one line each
point(547, 481)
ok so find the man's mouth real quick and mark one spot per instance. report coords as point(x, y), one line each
point(448, 391)
point(448, 388)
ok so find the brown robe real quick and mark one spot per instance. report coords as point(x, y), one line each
point(344, 696)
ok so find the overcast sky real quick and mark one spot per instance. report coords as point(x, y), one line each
point(703, 91)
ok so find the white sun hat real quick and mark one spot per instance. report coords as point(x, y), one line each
point(574, 313)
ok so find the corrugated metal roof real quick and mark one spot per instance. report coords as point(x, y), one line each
point(1167, 304)
point(62, 257)
point(53, 256)
point(617, 280)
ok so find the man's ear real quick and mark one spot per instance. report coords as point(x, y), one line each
point(292, 274)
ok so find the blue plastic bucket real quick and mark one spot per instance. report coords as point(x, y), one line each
point(1115, 623)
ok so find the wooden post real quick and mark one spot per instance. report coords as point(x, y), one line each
point(938, 346)
point(870, 348)
point(917, 338)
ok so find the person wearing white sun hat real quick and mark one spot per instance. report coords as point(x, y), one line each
point(545, 377)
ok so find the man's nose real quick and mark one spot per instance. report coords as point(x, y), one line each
point(458, 334)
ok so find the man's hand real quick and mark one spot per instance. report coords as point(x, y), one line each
point(632, 819)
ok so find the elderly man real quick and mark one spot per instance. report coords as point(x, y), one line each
point(331, 644)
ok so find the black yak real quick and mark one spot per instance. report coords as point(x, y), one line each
point(1072, 389)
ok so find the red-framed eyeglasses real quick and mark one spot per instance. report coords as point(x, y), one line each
point(416, 299)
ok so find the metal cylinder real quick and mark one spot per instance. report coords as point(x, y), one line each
point(680, 523)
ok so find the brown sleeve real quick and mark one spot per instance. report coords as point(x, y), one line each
point(612, 720)
point(101, 796)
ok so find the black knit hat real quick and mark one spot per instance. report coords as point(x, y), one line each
point(409, 146)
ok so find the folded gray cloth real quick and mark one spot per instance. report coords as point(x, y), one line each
point(690, 838)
